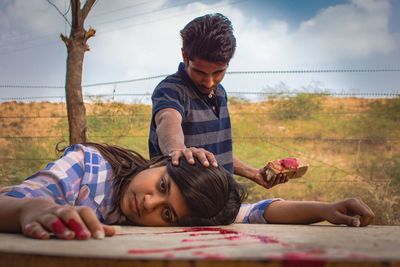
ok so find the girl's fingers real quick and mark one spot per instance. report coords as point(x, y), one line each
point(54, 223)
point(92, 223)
point(340, 218)
point(58, 227)
point(109, 230)
point(35, 230)
point(73, 221)
point(365, 212)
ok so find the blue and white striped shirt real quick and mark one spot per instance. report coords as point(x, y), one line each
point(202, 126)
point(82, 177)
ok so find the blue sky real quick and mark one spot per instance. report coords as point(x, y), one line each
point(140, 38)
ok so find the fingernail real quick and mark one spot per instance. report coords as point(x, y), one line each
point(215, 164)
point(356, 223)
point(42, 235)
point(69, 234)
point(83, 234)
point(98, 234)
point(27, 228)
point(118, 229)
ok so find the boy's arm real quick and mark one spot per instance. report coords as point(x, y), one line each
point(172, 140)
point(308, 212)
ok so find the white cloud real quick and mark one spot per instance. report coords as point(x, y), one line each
point(346, 35)
point(349, 31)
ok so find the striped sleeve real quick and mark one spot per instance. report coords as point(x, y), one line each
point(254, 213)
point(167, 97)
point(60, 180)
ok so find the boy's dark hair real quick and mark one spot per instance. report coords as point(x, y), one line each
point(211, 194)
point(210, 38)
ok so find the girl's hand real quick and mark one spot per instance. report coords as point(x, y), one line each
point(40, 218)
point(353, 212)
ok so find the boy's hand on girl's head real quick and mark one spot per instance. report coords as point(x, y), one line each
point(202, 155)
point(42, 218)
point(352, 212)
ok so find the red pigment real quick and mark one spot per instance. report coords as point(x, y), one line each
point(169, 250)
point(58, 227)
point(228, 235)
point(312, 258)
point(211, 239)
point(289, 163)
point(210, 229)
point(77, 228)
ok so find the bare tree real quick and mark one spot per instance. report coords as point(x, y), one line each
point(76, 45)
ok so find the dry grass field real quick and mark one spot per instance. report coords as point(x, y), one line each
point(351, 144)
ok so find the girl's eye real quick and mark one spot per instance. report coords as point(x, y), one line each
point(167, 214)
point(162, 185)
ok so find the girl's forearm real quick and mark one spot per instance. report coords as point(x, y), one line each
point(10, 209)
point(296, 212)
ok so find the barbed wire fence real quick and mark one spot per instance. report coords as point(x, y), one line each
point(145, 97)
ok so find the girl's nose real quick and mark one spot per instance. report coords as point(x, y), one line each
point(153, 201)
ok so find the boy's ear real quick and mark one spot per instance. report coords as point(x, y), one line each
point(184, 56)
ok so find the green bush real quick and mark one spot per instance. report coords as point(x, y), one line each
point(301, 106)
point(380, 120)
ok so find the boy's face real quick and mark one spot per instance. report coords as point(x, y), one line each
point(153, 199)
point(204, 74)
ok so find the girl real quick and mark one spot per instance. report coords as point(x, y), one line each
point(93, 186)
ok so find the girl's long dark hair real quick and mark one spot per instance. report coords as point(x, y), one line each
point(211, 194)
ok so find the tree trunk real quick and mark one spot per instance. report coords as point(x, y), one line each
point(76, 47)
point(73, 90)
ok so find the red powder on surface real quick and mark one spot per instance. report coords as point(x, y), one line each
point(310, 258)
point(230, 235)
point(169, 250)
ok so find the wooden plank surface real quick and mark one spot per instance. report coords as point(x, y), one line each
point(234, 245)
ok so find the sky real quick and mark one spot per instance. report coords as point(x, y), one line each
point(137, 39)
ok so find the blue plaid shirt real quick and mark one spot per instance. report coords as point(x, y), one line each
point(82, 177)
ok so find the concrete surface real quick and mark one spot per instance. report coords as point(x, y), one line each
point(234, 245)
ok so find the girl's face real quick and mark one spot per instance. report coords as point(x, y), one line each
point(153, 199)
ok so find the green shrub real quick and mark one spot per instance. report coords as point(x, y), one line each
point(380, 120)
point(301, 106)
